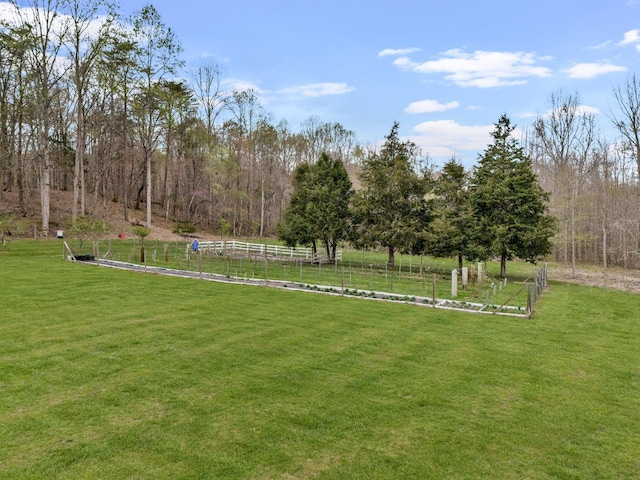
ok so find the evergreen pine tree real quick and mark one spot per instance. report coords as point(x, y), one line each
point(448, 233)
point(509, 206)
point(319, 208)
point(390, 209)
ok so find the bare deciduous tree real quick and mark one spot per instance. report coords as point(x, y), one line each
point(48, 27)
point(158, 54)
point(564, 139)
point(627, 121)
point(84, 45)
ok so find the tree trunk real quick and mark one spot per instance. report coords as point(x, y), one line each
point(503, 265)
point(83, 188)
point(139, 195)
point(164, 197)
point(392, 252)
point(262, 207)
point(125, 156)
point(20, 179)
point(79, 160)
point(45, 185)
point(125, 190)
point(573, 238)
point(148, 185)
point(604, 240)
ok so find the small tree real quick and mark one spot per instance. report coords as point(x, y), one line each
point(141, 232)
point(510, 207)
point(10, 226)
point(86, 227)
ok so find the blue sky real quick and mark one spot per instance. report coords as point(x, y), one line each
point(445, 70)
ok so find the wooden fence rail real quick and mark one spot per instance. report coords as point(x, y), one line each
point(233, 247)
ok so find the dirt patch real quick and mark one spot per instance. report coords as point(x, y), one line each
point(615, 278)
point(111, 212)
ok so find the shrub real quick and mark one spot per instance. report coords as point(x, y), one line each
point(86, 227)
point(10, 225)
point(184, 229)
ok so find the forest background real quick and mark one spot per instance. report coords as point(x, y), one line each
point(97, 117)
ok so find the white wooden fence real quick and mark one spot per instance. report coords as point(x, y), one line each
point(233, 247)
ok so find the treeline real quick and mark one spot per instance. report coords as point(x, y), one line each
point(592, 181)
point(104, 107)
point(97, 104)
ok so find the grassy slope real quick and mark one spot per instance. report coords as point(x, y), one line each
point(108, 374)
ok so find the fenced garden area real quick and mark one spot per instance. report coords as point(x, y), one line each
point(413, 279)
point(111, 374)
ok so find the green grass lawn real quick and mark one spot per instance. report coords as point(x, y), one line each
point(114, 374)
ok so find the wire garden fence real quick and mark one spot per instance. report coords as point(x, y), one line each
point(361, 273)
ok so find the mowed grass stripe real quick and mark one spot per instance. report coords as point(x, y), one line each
point(111, 374)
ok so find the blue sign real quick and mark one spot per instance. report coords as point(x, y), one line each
point(195, 245)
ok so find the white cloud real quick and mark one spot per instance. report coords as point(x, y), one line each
point(632, 36)
point(445, 138)
point(7, 11)
point(59, 22)
point(580, 110)
point(429, 106)
point(208, 55)
point(318, 89)
point(587, 110)
point(399, 51)
point(236, 85)
point(591, 70)
point(601, 46)
point(481, 69)
point(528, 115)
point(405, 63)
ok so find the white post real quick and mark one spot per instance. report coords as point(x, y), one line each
point(479, 271)
point(454, 283)
point(465, 277)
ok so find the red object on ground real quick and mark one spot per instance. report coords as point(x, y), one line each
point(121, 236)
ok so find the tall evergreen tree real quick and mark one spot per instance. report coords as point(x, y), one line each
point(448, 234)
point(510, 207)
point(330, 202)
point(294, 229)
point(319, 208)
point(390, 209)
